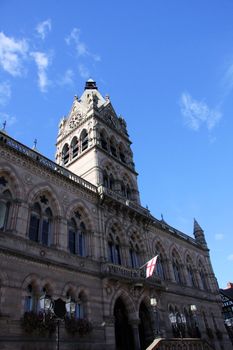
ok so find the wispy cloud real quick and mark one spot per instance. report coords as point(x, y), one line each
point(67, 79)
point(219, 236)
point(4, 117)
point(80, 46)
point(43, 28)
point(83, 71)
point(42, 61)
point(230, 257)
point(197, 113)
point(5, 93)
point(12, 53)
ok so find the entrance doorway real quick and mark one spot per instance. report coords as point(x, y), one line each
point(123, 330)
point(145, 327)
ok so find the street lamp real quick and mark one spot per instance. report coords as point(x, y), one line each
point(193, 309)
point(154, 304)
point(57, 308)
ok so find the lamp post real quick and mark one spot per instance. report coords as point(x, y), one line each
point(57, 308)
point(154, 304)
point(178, 322)
point(193, 309)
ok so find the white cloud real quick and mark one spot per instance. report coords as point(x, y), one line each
point(5, 93)
point(42, 62)
point(67, 79)
point(230, 257)
point(10, 120)
point(43, 28)
point(12, 53)
point(197, 113)
point(83, 71)
point(219, 236)
point(80, 46)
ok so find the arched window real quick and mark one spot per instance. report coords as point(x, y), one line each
point(122, 154)
point(111, 182)
point(40, 225)
point(203, 278)
point(31, 299)
point(128, 192)
point(65, 154)
point(84, 140)
point(190, 273)
point(74, 147)
point(5, 202)
point(103, 141)
point(123, 189)
point(134, 255)
point(176, 269)
point(159, 268)
point(114, 252)
point(77, 236)
point(105, 178)
point(113, 147)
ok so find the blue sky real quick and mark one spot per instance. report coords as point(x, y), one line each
point(168, 68)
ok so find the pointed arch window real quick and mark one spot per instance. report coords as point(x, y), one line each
point(77, 237)
point(159, 268)
point(111, 182)
point(5, 203)
point(40, 225)
point(65, 154)
point(113, 148)
point(103, 141)
point(134, 255)
point(114, 251)
point(31, 300)
point(122, 154)
point(74, 147)
point(128, 192)
point(177, 271)
point(105, 178)
point(191, 278)
point(203, 280)
point(84, 140)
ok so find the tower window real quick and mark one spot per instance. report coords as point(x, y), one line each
point(84, 140)
point(103, 141)
point(74, 147)
point(65, 154)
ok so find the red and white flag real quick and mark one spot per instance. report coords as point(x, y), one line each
point(150, 266)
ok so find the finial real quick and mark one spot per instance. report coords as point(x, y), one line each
point(162, 217)
point(35, 144)
point(4, 125)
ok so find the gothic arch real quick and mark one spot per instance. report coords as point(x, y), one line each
point(128, 302)
point(173, 249)
point(112, 222)
point(81, 205)
point(31, 278)
point(18, 187)
point(45, 189)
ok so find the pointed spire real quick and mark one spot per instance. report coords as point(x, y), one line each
point(199, 234)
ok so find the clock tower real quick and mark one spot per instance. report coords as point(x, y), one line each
point(94, 144)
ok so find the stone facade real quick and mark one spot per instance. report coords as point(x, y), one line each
point(75, 230)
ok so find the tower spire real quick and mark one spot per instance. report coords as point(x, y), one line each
point(199, 234)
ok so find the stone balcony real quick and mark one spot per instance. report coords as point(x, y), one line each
point(133, 276)
point(180, 343)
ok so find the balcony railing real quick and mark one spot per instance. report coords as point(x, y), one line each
point(178, 344)
point(128, 274)
point(129, 203)
point(45, 162)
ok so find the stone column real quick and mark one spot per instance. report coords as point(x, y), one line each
point(134, 324)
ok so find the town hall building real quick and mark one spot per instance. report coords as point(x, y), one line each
point(74, 230)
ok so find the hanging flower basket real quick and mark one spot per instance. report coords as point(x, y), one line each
point(77, 326)
point(37, 323)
